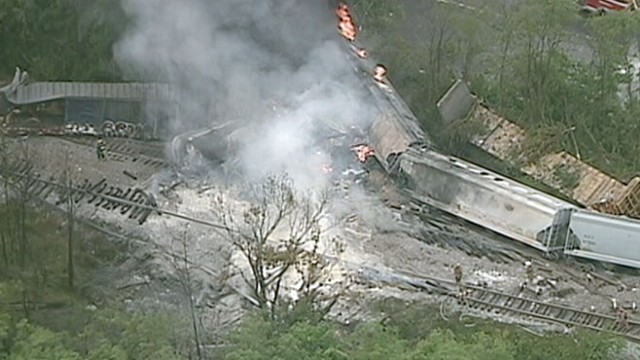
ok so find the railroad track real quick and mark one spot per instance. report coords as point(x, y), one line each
point(487, 300)
point(134, 203)
point(498, 302)
point(147, 153)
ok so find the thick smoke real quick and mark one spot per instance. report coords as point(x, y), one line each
point(276, 65)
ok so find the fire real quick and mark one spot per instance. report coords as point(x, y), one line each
point(379, 73)
point(346, 24)
point(363, 152)
point(342, 11)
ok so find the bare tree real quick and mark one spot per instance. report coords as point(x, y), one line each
point(182, 265)
point(4, 227)
point(276, 232)
point(70, 217)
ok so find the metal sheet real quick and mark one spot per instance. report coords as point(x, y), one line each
point(604, 236)
point(37, 92)
point(456, 103)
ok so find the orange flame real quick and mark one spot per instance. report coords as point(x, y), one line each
point(379, 73)
point(363, 152)
point(362, 53)
point(346, 24)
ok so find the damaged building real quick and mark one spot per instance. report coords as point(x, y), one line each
point(150, 104)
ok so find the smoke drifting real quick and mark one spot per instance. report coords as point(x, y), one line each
point(274, 65)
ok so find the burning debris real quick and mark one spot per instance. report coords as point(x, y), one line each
point(346, 25)
point(363, 152)
point(380, 73)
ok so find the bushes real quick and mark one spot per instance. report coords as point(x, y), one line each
point(259, 338)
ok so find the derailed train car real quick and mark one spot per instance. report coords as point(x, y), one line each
point(505, 206)
point(600, 237)
point(480, 196)
point(518, 212)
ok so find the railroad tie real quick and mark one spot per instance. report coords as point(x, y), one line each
point(130, 175)
point(62, 196)
point(26, 170)
point(49, 189)
point(104, 200)
point(143, 217)
point(136, 211)
point(117, 194)
point(142, 213)
point(96, 189)
point(126, 207)
point(125, 195)
point(79, 195)
point(86, 185)
point(38, 192)
point(21, 167)
point(150, 203)
point(29, 184)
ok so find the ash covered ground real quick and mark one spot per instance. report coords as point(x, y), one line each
point(278, 68)
point(386, 239)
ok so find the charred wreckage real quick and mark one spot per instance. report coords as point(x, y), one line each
point(394, 144)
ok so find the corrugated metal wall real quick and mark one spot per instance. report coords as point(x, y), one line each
point(96, 111)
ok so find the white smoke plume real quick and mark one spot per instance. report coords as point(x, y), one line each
point(276, 65)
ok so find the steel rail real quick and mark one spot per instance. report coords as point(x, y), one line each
point(112, 202)
point(482, 298)
point(488, 300)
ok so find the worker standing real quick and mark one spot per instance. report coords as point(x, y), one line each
point(528, 265)
point(101, 148)
point(457, 274)
point(623, 317)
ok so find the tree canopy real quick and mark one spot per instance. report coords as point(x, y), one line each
point(260, 338)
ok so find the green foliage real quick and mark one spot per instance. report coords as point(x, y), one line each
point(34, 32)
point(373, 341)
point(584, 345)
point(522, 58)
point(108, 335)
point(138, 336)
point(443, 345)
point(378, 17)
point(107, 351)
point(36, 343)
point(262, 338)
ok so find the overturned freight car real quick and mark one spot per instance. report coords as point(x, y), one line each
point(482, 197)
point(601, 237)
